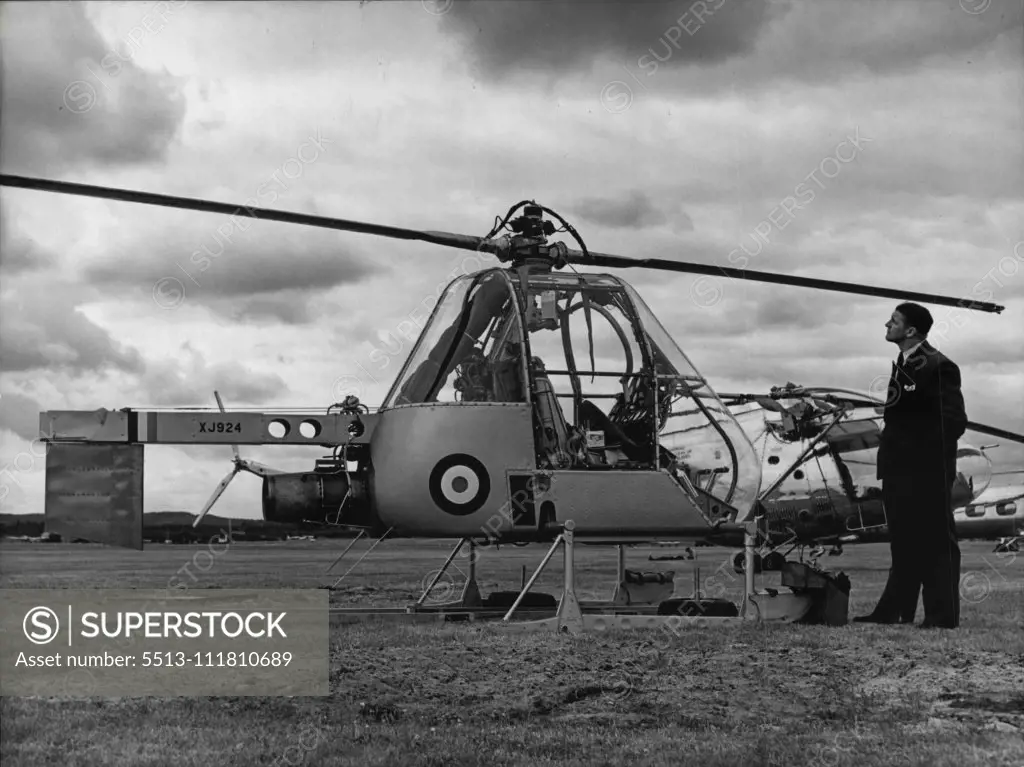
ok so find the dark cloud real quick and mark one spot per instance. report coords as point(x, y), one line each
point(17, 252)
point(174, 384)
point(745, 41)
point(976, 338)
point(41, 328)
point(634, 211)
point(814, 310)
point(71, 98)
point(829, 38)
point(267, 271)
point(280, 267)
point(290, 307)
point(506, 38)
point(899, 168)
point(20, 414)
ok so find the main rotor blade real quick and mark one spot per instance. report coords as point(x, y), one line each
point(618, 262)
point(468, 242)
point(462, 241)
point(992, 431)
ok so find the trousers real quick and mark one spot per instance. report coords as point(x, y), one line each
point(924, 549)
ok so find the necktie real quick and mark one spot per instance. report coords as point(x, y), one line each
point(899, 360)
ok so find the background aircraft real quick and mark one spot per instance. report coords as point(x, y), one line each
point(997, 514)
point(818, 449)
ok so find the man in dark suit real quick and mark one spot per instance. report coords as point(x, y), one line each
point(924, 417)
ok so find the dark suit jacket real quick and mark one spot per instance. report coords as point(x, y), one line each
point(923, 420)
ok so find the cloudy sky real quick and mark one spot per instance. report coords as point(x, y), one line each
point(876, 142)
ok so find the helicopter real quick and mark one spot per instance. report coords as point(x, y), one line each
point(473, 441)
point(818, 449)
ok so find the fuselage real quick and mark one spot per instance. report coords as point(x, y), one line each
point(997, 513)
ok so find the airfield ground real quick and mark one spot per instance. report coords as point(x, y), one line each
point(454, 694)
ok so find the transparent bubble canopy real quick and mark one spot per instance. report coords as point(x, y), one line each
point(590, 341)
point(705, 437)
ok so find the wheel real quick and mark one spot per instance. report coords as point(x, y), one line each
point(739, 563)
point(774, 562)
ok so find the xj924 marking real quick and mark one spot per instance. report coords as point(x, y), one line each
point(220, 427)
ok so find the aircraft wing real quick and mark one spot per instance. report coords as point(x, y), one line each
point(999, 494)
point(854, 435)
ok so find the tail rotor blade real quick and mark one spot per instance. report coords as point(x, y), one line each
point(220, 404)
point(257, 468)
point(216, 494)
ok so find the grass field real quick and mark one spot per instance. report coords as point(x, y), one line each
point(454, 694)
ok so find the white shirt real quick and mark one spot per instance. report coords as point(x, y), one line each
point(911, 350)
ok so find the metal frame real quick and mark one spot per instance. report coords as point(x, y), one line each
point(470, 596)
point(812, 445)
point(200, 427)
point(573, 616)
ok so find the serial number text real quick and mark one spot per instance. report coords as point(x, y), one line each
point(220, 427)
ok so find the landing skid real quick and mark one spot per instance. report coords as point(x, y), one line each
point(470, 596)
point(640, 601)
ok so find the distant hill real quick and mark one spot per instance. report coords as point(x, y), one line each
point(21, 517)
point(176, 526)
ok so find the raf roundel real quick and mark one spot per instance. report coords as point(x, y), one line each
point(459, 484)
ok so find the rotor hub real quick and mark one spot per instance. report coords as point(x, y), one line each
point(532, 223)
point(529, 244)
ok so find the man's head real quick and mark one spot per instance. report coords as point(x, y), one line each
point(908, 325)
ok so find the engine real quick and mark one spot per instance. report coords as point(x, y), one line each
point(328, 495)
